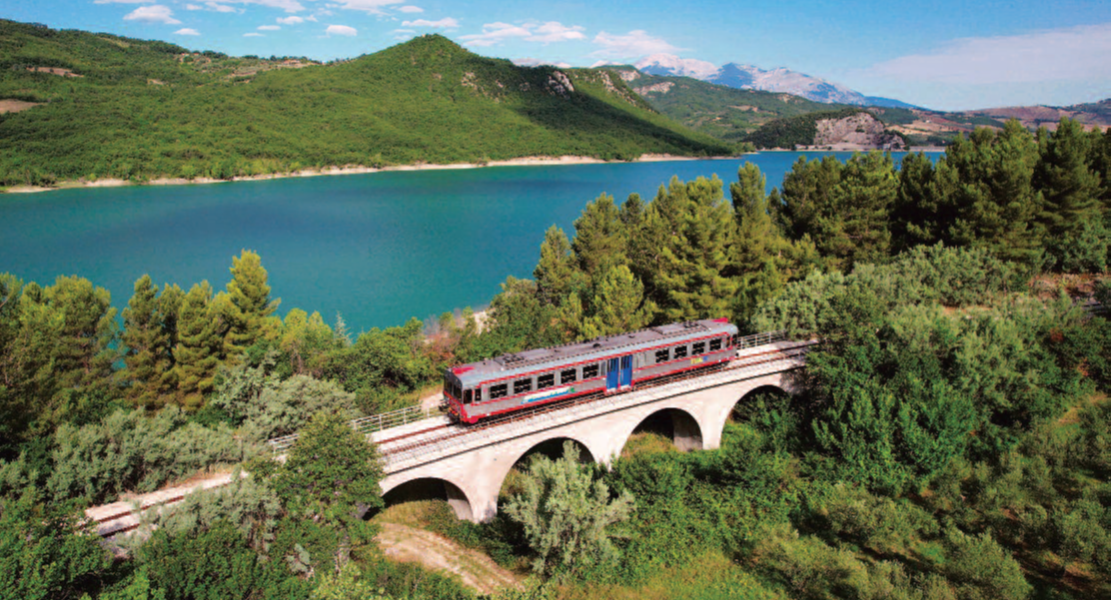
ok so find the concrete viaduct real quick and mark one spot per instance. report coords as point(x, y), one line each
point(467, 465)
point(471, 465)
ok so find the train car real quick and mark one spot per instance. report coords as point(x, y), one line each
point(609, 364)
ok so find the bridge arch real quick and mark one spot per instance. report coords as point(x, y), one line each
point(677, 424)
point(551, 448)
point(431, 488)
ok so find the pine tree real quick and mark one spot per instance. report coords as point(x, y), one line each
point(919, 215)
point(682, 252)
point(147, 343)
point(854, 227)
point(1070, 189)
point(248, 303)
point(619, 305)
point(807, 194)
point(988, 178)
point(199, 345)
point(556, 270)
point(763, 260)
point(600, 238)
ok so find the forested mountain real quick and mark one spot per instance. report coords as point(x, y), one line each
point(724, 112)
point(97, 105)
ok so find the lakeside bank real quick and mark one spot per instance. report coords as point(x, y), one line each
point(525, 161)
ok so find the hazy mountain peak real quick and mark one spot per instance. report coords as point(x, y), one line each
point(669, 64)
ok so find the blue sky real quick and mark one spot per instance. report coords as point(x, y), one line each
point(945, 54)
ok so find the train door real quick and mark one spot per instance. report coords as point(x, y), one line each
point(626, 377)
point(613, 375)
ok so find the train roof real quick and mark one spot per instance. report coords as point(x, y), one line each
point(528, 361)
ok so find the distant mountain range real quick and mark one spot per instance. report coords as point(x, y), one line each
point(748, 77)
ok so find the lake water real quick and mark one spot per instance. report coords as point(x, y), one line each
point(378, 248)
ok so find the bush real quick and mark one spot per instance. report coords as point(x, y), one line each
point(130, 450)
point(980, 569)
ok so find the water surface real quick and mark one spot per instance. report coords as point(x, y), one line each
point(378, 248)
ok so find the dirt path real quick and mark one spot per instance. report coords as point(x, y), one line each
point(478, 571)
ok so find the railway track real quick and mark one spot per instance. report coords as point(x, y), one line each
point(393, 445)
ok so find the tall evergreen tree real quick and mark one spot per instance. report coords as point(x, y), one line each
point(807, 194)
point(600, 238)
point(989, 179)
point(619, 305)
point(919, 215)
point(556, 270)
point(853, 228)
point(199, 345)
point(248, 303)
point(147, 347)
point(763, 260)
point(1070, 188)
point(682, 251)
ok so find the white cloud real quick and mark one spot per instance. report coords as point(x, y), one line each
point(152, 14)
point(213, 6)
point(495, 33)
point(268, 28)
point(253, 35)
point(410, 9)
point(370, 6)
point(403, 31)
point(633, 44)
point(286, 5)
point(187, 31)
point(341, 30)
point(445, 23)
point(1082, 52)
point(536, 62)
point(290, 20)
point(553, 31)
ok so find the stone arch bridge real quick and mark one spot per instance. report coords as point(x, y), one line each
point(468, 464)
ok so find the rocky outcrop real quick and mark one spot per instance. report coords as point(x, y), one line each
point(859, 131)
point(560, 85)
point(661, 87)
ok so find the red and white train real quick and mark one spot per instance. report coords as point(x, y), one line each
point(611, 364)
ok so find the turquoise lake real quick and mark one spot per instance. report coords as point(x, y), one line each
point(379, 248)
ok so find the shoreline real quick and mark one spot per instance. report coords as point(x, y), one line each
point(526, 161)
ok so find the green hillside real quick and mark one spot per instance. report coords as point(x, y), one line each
point(723, 112)
point(118, 107)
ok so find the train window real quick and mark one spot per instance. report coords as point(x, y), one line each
point(663, 355)
point(568, 376)
point(590, 371)
point(546, 380)
point(499, 391)
point(522, 385)
point(715, 344)
point(468, 395)
point(680, 352)
point(455, 391)
point(698, 348)
point(734, 339)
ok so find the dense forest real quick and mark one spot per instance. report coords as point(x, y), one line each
point(949, 440)
point(113, 107)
